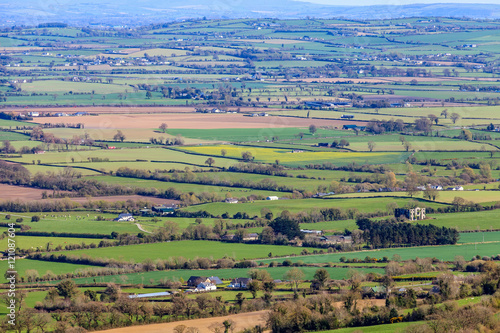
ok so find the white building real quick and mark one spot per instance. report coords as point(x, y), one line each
point(206, 286)
point(125, 217)
point(272, 197)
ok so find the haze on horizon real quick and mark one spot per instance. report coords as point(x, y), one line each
point(397, 2)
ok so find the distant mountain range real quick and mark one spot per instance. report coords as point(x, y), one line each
point(134, 12)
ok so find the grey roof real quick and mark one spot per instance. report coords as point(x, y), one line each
point(215, 280)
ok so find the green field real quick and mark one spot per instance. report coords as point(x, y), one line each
point(61, 86)
point(453, 156)
point(35, 168)
point(185, 187)
point(12, 136)
point(480, 237)
point(445, 253)
point(32, 298)
point(152, 154)
point(216, 177)
point(484, 220)
point(188, 250)
point(13, 123)
point(392, 143)
point(255, 134)
point(295, 205)
point(21, 265)
point(68, 222)
point(418, 79)
point(113, 166)
point(34, 242)
point(387, 328)
point(443, 196)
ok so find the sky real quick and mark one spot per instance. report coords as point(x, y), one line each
point(395, 2)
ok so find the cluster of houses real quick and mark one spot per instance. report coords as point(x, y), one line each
point(161, 210)
point(76, 114)
point(328, 105)
point(271, 197)
point(58, 114)
point(262, 114)
point(322, 194)
point(420, 188)
point(440, 188)
point(202, 283)
point(214, 110)
point(247, 238)
point(333, 239)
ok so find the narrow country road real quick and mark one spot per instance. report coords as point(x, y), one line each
point(141, 228)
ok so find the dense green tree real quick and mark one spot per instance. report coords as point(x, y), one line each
point(286, 226)
point(321, 277)
point(67, 288)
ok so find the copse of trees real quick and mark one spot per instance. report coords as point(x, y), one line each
point(287, 226)
point(14, 174)
point(263, 169)
point(381, 126)
point(388, 233)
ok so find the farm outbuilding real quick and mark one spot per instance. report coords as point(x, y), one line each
point(159, 294)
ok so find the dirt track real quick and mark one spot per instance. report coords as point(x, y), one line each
point(189, 120)
point(242, 320)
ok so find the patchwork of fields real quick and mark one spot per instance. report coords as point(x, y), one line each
point(273, 149)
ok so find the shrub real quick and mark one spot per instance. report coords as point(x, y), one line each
point(35, 218)
point(19, 220)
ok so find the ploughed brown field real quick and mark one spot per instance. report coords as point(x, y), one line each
point(390, 79)
point(189, 120)
point(11, 192)
point(242, 320)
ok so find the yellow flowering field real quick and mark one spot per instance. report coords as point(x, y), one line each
point(290, 158)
